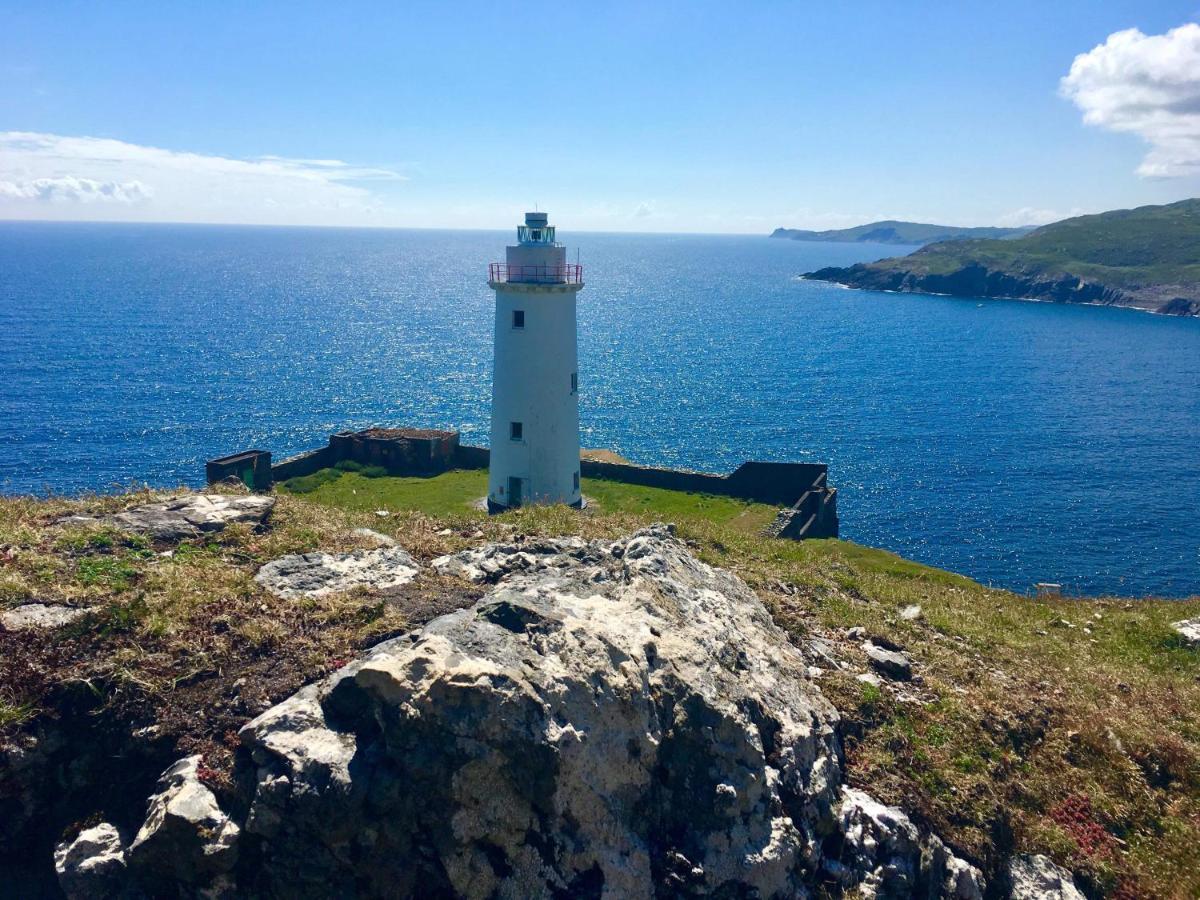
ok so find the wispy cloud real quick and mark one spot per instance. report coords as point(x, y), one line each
point(1148, 85)
point(40, 174)
point(70, 189)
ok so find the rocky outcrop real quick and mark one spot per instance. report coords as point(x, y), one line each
point(187, 841)
point(1037, 878)
point(39, 616)
point(92, 866)
point(612, 719)
point(978, 280)
point(1189, 630)
point(883, 855)
point(185, 517)
point(318, 574)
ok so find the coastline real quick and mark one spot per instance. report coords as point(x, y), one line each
point(854, 287)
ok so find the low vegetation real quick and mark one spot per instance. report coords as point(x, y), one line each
point(1068, 727)
point(460, 494)
point(1123, 248)
point(1147, 257)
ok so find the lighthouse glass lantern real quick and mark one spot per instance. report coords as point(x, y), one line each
point(535, 396)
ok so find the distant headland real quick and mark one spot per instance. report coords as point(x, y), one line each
point(1146, 258)
point(893, 232)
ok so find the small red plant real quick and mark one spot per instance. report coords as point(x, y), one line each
point(336, 664)
point(208, 775)
point(1075, 814)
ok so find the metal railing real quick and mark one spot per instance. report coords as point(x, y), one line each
point(566, 274)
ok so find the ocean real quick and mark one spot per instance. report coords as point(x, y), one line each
point(1013, 442)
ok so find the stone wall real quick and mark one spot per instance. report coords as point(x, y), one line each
point(304, 464)
point(802, 487)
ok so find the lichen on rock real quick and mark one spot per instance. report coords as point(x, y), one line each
point(318, 574)
point(612, 719)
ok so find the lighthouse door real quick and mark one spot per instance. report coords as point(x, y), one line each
point(514, 491)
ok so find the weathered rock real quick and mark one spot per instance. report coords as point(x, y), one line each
point(883, 855)
point(492, 562)
point(892, 663)
point(911, 613)
point(318, 574)
point(186, 517)
point(186, 839)
point(1190, 629)
point(39, 616)
point(611, 719)
point(1038, 878)
point(628, 720)
point(92, 865)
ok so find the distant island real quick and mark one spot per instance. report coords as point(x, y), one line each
point(1145, 258)
point(893, 232)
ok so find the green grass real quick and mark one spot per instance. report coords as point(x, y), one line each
point(1131, 249)
point(456, 494)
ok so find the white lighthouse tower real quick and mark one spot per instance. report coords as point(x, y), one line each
point(535, 381)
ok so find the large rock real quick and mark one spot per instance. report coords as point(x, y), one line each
point(318, 574)
point(1190, 630)
point(186, 517)
point(92, 865)
point(610, 720)
point(623, 720)
point(186, 840)
point(1037, 878)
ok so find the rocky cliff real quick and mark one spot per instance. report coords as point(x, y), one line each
point(1146, 258)
point(975, 279)
point(613, 719)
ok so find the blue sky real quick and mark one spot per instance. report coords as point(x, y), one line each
point(717, 117)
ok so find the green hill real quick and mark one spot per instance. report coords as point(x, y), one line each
point(893, 232)
point(1146, 258)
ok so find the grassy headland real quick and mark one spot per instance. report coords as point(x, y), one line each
point(1148, 258)
point(1068, 727)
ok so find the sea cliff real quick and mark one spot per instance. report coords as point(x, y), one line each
point(1146, 258)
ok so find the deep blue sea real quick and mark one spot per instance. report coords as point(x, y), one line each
point(1014, 442)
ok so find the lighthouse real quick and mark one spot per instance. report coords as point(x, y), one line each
point(535, 375)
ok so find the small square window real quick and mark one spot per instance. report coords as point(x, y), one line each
point(516, 431)
point(574, 382)
point(518, 318)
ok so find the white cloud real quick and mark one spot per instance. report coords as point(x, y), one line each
point(42, 174)
point(1148, 85)
point(644, 210)
point(70, 189)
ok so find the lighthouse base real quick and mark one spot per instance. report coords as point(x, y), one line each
point(495, 508)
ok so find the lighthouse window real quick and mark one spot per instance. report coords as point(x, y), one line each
point(536, 234)
point(516, 431)
point(576, 481)
point(518, 318)
point(574, 382)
